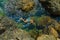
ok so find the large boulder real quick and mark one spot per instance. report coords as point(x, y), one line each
point(27, 6)
point(46, 37)
point(53, 32)
point(9, 30)
point(52, 6)
point(16, 34)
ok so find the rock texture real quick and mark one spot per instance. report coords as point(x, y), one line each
point(48, 25)
point(52, 6)
point(41, 27)
point(16, 34)
point(46, 37)
point(9, 31)
point(53, 32)
point(27, 6)
point(55, 6)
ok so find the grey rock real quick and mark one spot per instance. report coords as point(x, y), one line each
point(16, 34)
point(52, 6)
point(55, 6)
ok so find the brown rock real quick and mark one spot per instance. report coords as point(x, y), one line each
point(46, 37)
point(53, 32)
point(26, 5)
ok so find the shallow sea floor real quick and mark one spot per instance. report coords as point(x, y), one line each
point(29, 20)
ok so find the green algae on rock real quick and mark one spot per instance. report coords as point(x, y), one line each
point(1, 12)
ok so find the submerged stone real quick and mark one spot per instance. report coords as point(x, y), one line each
point(46, 37)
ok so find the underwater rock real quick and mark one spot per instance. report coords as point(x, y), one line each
point(43, 20)
point(26, 5)
point(16, 9)
point(7, 23)
point(47, 24)
point(47, 21)
point(58, 39)
point(46, 37)
point(34, 33)
point(55, 6)
point(20, 6)
point(57, 25)
point(9, 31)
point(53, 32)
point(24, 35)
point(52, 6)
point(16, 34)
point(2, 29)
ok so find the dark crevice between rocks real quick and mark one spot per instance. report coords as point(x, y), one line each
point(36, 37)
point(2, 31)
point(58, 33)
point(17, 38)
